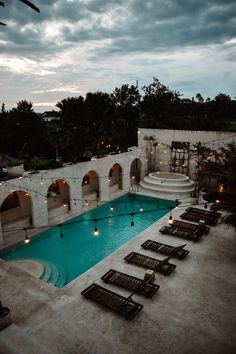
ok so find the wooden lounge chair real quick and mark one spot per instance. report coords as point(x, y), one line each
point(117, 303)
point(131, 283)
point(177, 252)
point(213, 214)
point(157, 265)
point(201, 229)
point(174, 231)
point(190, 216)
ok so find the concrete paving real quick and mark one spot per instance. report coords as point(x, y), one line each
point(193, 312)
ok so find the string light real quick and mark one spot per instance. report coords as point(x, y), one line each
point(95, 231)
point(61, 233)
point(141, 207)
point(132, 219)
point(170, 218)
point(26, 240)
point(111, 207)
point(86, 202)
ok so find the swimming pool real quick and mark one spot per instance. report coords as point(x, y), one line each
point(65, 258)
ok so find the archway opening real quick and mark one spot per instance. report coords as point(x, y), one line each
point(16, 212)
point(115, 178)
point(135, 174)
point(58, 199)
point(90, 186)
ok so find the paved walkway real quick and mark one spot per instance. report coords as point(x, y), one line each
point(193, 312)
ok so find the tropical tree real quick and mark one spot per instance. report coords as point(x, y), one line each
point(230, 184)
point(126, 112)
point(158, 105)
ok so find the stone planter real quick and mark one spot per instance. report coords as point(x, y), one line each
point(5, 317)
point(15, 171)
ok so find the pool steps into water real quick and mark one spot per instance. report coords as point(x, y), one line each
point(53, 274)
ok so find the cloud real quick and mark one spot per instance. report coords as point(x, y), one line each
point(99, 44)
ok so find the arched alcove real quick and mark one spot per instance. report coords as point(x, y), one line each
point(135, 170)
point(90, 186)
point(16, 212)
point(115, 178)
point(58, 200)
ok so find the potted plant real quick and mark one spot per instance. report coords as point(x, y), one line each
point(15, 168)
point(5, 316)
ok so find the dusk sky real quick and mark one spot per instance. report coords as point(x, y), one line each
point(77, 46)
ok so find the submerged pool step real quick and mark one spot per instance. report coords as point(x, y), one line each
point(53, 274)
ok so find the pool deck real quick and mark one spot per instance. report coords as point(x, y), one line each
point(193, 312)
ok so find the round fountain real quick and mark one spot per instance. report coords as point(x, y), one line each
point(167, 185)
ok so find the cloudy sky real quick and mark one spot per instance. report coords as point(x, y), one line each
point(75, 46)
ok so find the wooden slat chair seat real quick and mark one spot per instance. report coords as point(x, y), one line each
point(190, 216)
point(131, 283)
point(161, 266)
point(115, 302)
point(174, 231)
point(213, 214)
point(177, 252)
point(201, 229)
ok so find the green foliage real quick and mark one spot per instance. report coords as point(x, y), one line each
point(37, 163)
point(112, 118)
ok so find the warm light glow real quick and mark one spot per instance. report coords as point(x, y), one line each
point(96, 232)
point(86, 202)
point(26, 240)
point(221, 188)
point(170, 219)
point(63, 181)
point(217, 201)
point(64, 204)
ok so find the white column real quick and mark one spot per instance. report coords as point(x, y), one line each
point(104, 189)
point(39, 211)
point(76, 202)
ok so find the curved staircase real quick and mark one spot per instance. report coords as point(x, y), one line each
point(53, 274)
point(174, 187)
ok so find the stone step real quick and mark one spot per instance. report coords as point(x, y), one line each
point(53, 274)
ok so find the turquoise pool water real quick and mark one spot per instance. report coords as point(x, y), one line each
point(79, 250)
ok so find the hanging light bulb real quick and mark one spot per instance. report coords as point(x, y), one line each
point(61, 233)
point(141, 207)
point(132, 219)
point(86, 202)
point(26, 240)
point(170, 219)
point(95, 231)
point(111, 207)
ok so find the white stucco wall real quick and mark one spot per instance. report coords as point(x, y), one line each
point(164, 138)
point(36, 185)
